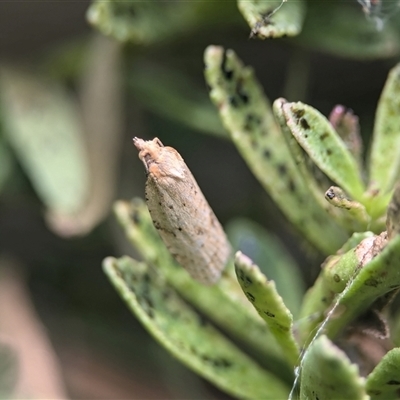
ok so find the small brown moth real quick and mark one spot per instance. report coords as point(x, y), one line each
point(181, 214)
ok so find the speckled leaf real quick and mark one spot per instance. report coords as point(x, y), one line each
point(187, 335)
point(336, 272)
point(327, 373)
point(378, 275)
point(393, 214)
point(42, 125)
point(148, 22)
point(262, 293)
point(385, 151)
point(266, 250)
point(224, 303)
point(343, 29)
point(271, 19)
point(247, 115)
point(139, 22)
point(324, 146)
point(383, 382)
point(316, 181)
point(8, 371)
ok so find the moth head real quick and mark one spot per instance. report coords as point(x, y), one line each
point(158, 160)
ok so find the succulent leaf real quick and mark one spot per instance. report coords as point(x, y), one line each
point(272, 19)
point(336, 272)
point(324, 146)
point(384, 382)
point(187, 335)
point(327, 373)
point(224, 303)
point(247, 114)
point(378, 275)
point(266, 250)
point(41, 122)
point(384, 168)
point(263, 295)
point(393, 214)
point(317, 185)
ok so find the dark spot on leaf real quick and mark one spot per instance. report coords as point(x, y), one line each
point(324, 136)
point(241, 93)
point(217, 362)
point(374, 392)
point(336, 278)
point(393, 382)
point(371, 282)
point(304, 124)
point(328, 152)
point(269, 314)
point(203, 321)
point(233, 102)
point(250, 297)
point(298, 113)
point(292, 186)
point(228, 73)
point(267, 154)
point(135, 217)
point(252, 122)
point(282, 169)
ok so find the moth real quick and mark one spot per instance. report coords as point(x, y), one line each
point(181, 214)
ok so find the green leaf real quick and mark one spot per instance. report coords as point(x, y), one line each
point(271, 19)
point(384, 165)
point(377, 275)
point(138, 22)
point(393, 214)
point(186, 334)
point(324, 146)
point(150, 22)
point(384, 382)
point(337, 271)
point(327, 373)
point(316, 181)
point(344, 30)
point(224, 302)
point(247, 114)
point(266, 250)
point(41, 123)
point(262, 293)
